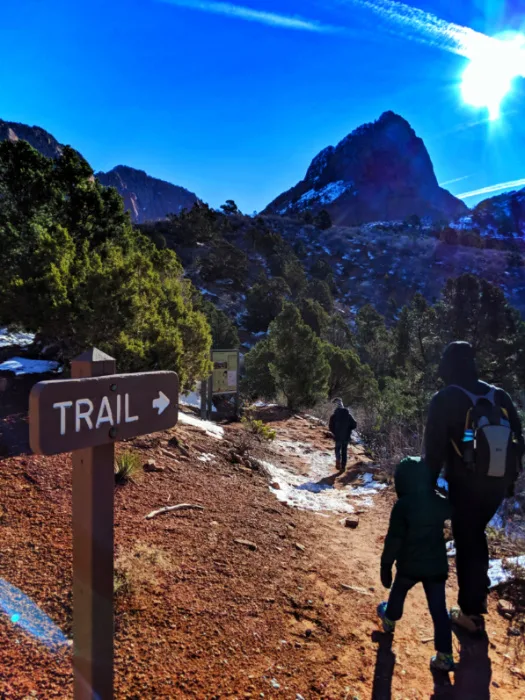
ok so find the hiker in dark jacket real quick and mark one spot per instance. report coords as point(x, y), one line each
point(341, 425)
point(415, 542)
point(475, 496)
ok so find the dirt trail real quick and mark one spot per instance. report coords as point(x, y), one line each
point(199, 615)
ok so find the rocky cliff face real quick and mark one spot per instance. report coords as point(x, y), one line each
point(34, 135)
point(380, 172)
point(145, 197)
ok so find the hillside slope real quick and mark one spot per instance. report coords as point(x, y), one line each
point(380, 172)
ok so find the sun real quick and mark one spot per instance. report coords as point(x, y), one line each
point(488, 77)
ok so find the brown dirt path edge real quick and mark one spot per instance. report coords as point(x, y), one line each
point(201, 616)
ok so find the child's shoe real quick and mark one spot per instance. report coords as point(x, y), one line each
point(442, 662)
point(389, 626)
point(475, 624)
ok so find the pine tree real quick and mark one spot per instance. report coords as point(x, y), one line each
point(299, 367)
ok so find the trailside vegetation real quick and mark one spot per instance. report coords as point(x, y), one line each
point(75, 272)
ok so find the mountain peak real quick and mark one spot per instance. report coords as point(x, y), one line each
point(147, 198)
point(380, 171)
point(37, 137)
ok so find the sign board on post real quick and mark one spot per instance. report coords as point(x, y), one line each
point(225, 371)
point(72, 414)
point(86, 415)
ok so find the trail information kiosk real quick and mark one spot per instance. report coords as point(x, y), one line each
point(225, 371)
point(86, 415)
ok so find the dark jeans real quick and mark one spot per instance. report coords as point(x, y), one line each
point(341, 453)
point(470, 515)
point(437, 605)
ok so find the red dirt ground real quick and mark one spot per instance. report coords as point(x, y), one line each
point(205, 617)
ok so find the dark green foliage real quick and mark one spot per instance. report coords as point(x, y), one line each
point(229, 207)
point(373, 340)
point(76, 273)
point(225, 262)
point(258, 381)
point(264, 302)
point(338, 333)
point(223, 332)
point(323, 220)
point(314, 316)
point(299, 367)
point(319, 291)
point(349, 379)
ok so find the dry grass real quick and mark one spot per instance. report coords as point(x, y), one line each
point(140, 569)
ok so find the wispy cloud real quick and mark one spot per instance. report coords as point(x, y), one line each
point(456, 179)
point(424, 27)
point(513, 184)
point(262, 17)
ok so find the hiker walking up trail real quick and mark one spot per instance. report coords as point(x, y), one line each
point(474, 430)
point(341, 425)
point(416, 543)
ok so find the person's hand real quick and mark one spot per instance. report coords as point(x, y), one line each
point(386, 576)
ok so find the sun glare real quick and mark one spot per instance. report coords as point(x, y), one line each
point(488, 77)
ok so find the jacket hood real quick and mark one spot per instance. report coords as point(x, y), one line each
point(412, 476)
point(458, 365)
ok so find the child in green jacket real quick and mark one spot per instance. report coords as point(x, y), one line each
point(415, 542)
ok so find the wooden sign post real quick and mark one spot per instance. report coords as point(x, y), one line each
point(93, 487)
point(86, 415)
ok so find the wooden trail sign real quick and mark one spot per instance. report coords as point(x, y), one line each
point(86, 415)
point(72, 414)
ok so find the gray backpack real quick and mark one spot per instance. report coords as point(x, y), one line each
point(489, 447)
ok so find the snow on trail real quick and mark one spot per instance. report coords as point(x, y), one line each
point(499, 571)
point(207, 426)
point(316, 491)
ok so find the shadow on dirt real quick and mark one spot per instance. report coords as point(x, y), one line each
point(471, 680)
point(474, 671)
point(384, 670)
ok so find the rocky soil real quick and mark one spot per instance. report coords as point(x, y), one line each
point(247, 598)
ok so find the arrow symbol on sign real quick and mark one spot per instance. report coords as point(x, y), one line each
point(161, 403)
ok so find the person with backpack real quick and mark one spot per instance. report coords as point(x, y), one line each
point(416, 544)
point(473, 429)
point(341, 425)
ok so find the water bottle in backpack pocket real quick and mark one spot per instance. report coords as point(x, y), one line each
point(489, 447)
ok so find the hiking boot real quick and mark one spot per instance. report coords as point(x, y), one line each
point(475, 624)
point(442, 662)
point(389, 626)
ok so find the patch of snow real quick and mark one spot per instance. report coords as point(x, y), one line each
point(451, 548)
point(498, 571)
point(22, 365)
point(207, 426)
point(326, 194)
point(193, 399)
point(316, 491)
point(206, 457)
point(7, 339)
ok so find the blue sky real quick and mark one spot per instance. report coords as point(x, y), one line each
point(235, 102)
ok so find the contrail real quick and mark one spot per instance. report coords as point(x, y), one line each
point(493, 188)
point(456, 179)
point(247, 13)
point(427, 28)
